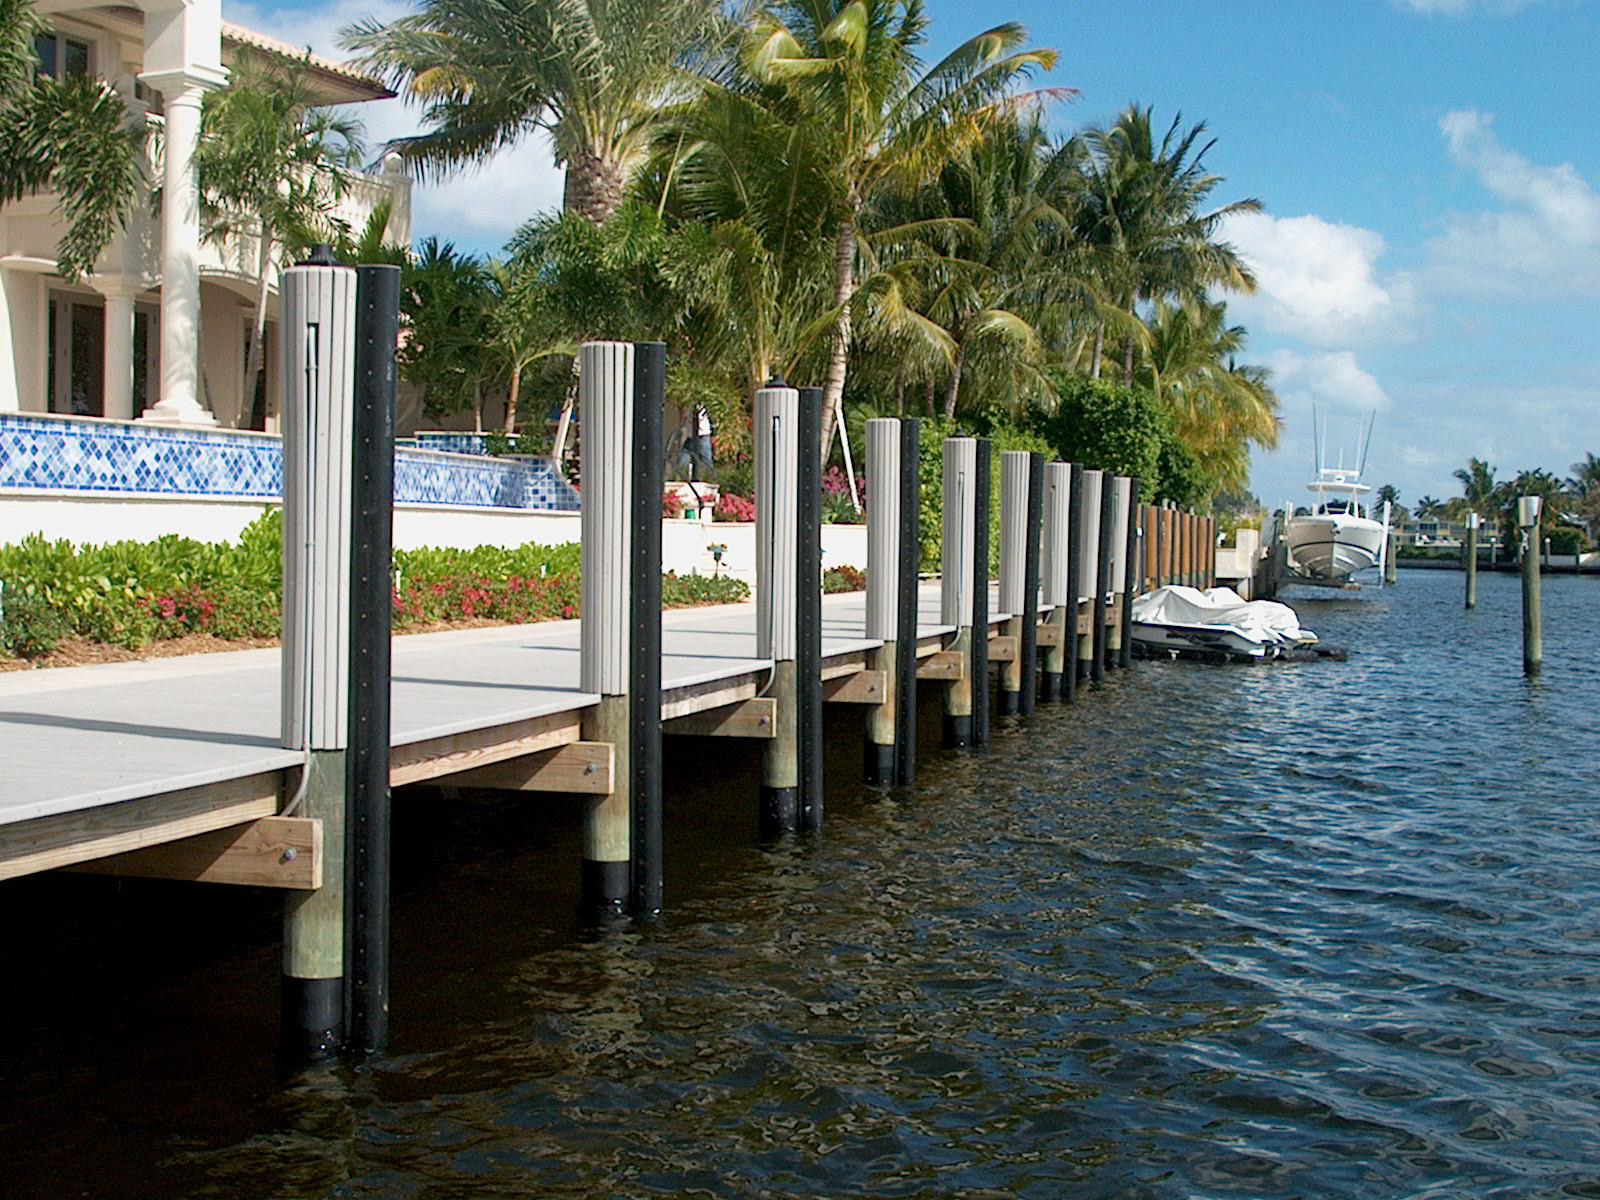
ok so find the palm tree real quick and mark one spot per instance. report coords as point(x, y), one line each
point(593, 74)
point(1585, 488)
point(1218, 408)
point(271, 166)
point(1142, 210)
point(445, 306)
point(1429, 508)
point(850, 73)
point(72, 136)
point(1478, 486)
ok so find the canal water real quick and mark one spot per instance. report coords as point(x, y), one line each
point(1321, 929)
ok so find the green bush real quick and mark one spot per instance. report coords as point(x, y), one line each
point(130, 594)
point(1566, 539)
point(844, 579)
point(1105, 427)
point(30, 626)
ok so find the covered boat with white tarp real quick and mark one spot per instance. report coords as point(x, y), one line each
point(1215, 622)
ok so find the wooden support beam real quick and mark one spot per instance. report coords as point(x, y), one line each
point(457, 752)
point(1112, 616)
point(947, 665)
point(748, 719)
point(1085, 622)
point(280, 852)
point(1003, 648)
point(716, 693)
point(862, 687)
point(67, 838)
point(578, 768)
point(1049, 635)
point(844, 664)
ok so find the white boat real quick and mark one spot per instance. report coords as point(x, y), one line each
point(1336, 538)
point(1215, 623)
point(1340, 534)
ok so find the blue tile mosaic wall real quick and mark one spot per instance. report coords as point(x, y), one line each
point(42, 453)
point(453, 443)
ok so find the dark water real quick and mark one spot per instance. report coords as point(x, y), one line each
point(1313, 930)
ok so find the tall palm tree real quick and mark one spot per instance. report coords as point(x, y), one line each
point(850, 72)
point(72, 136)
point(445, 307)
point(271, 166)
point(1143, 211)
point(1218, 408)
point(1429, 507)
point(1478, 486)
point(593, 74)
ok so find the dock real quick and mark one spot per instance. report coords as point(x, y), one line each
point(274, 768)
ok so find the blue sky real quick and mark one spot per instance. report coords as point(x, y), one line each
point(1430, 169)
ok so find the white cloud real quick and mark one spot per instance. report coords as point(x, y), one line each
point(1460, 8)
point(1330, 380)
point(478, 207)
point(1318, 281)
point(1544, 245)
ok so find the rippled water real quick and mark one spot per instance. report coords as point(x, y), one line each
point(1304, 930)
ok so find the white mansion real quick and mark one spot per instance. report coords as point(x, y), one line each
point(158, 331)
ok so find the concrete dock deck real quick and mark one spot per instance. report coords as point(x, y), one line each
point(103, 759)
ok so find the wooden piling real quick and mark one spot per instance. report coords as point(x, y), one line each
point(1090, 576)
point(1532, 616)
point(808, 610)
point(1074, 607)
point(1097, 660)
point(905, 662)
point(606, 397)
point(776, 445)
point(956, 582)
point(319, 330)
point(883, 595)
point(1120, 566)
point(1055, 575)
point(980, 593)
point(1028, 647)
point(1133, 585)
point(1470, 563)
point(1391, 565)
point(1013, 539)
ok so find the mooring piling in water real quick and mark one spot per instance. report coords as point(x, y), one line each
point(1088, 503)
point(1133, 582)
point(1028, 646)
point(777, 468)
point(606, 399)
point(1121, 525)
point(957, 540)
point(644, 693)
point(884, 563)
point(1013, 568)
point(1055, 576)
point(1102, 575)
point(1528, 512)
point(1470, 560)
point(981, 699)
point(319, 337)
point(905, 664)
point(367, 818)
point(808, 609)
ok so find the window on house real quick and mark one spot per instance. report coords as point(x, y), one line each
point(61, 57)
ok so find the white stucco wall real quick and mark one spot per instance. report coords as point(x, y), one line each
point(93, 518)
point(22, 333)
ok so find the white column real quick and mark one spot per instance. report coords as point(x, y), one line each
point(777, 463)
point(1053, 551)
point(118, 369)
point(956, 570)
point(1014, 469)
point(605, 406)
point(180, 399)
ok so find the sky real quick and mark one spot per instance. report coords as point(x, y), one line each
point(1430, 170)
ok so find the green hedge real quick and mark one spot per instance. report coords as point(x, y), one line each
point(130, 594)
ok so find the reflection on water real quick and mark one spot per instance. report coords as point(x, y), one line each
point(1309, 930)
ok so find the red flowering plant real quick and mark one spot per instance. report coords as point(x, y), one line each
point(731, 507)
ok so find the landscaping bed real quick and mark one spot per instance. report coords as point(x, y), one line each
point(65, 605)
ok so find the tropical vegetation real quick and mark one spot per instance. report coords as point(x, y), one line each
point(799, 193)
point(131, 594)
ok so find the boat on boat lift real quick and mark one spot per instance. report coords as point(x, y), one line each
point(1340, 535)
